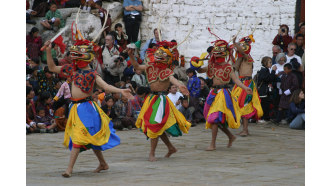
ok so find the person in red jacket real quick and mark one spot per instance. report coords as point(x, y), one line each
point(282, 39)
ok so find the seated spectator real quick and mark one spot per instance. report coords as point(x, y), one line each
point(33, 43)
point(46, 82)
point(44, 121)
point(264, 85)
point(63, 95)
point(132, 18)
point(139, 78)
point(282, 39)
point(202, 96)
point(124, 114)
point(180, 71)
point(108, 108)
point(297, 110)
point(290, 55)
point(300, 45)
point(31, 111)
point(102, 13)
point(29, 13)
point(174, 96)
point(186, 111)
point(53, 19)
point(289, 83)
point(89, 4)
point(148, 44)
point(95, 97)
point(41, 7)
point(44, 102)
point(53, 52)
point(30, 125)
point(121, 37)
point(137, 102)
point(276, 50)
point(61, 117)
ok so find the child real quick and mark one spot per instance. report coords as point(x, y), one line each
point(297, 110)
point(53, 19)
point(43, 121)
point(102, 13)
point(289, 83)
point(139, 78)
point(121, 36)
point(124, 114)
point(185, 110)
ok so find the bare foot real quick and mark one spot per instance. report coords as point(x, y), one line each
point(244, 133)
point(210, 148)
point(101, 167)
point(231, 140)
point(152, 158)
point(170, 152)
point(66, 174)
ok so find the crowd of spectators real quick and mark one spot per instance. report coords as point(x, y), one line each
point(280, 80)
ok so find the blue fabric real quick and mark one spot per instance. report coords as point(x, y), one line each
point(92, 121)
point(298, 122)
point(229, 102)
point(145, 47)
point(194, 86)
point(294, 109)
point(131, 2)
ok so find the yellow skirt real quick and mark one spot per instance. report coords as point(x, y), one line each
point(249, 105)
point(158, 114)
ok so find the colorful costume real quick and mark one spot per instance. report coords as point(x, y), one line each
point(158, 114)
point(220, 107)
point(87, 126)
point(250, 106)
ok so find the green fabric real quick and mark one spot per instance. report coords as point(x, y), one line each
point(154, 111)
point(174, 130)
point(56, 14)
point(44, 55)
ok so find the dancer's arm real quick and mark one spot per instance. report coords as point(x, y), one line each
point(181, 86)
point(135, 64)
point(239, 83)
point(202, 70)
point(112, 89)
point(50, 62)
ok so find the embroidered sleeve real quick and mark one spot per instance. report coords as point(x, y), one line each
point(66, 70)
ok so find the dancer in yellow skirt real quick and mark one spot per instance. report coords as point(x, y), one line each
point(87, 126)
point(220, 109)
point(250, 106)
point(158, 114)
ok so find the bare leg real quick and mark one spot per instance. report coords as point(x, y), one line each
point(103, 165)
point(214, 137)
point(153, 142)
point(45, 24)
point(245, 131)
point(171, 148)
point(231, 137)
point(73, 158)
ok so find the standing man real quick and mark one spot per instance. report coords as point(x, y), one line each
point(148, 43)
point(132, 18)
point(250, 105)
point(276, 50)
point(291, 53)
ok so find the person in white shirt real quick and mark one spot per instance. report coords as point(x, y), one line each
point(280, 62)
point(139, 78)
point(174, 96)
point(291, 50)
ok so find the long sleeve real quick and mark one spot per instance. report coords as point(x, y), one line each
point(60, 92)
point(266, 77)
point(295, 110)
point(144, 49)
point(294, 83)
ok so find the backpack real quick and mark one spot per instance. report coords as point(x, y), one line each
point(256, 80)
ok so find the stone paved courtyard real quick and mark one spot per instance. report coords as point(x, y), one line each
point(270, 156)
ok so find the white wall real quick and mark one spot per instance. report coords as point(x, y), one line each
point(179, 15)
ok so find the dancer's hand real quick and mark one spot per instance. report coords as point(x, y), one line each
point(127, 93)
point(48, 45)
point(248, 90)
point(130, 52)
point(183, 89)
